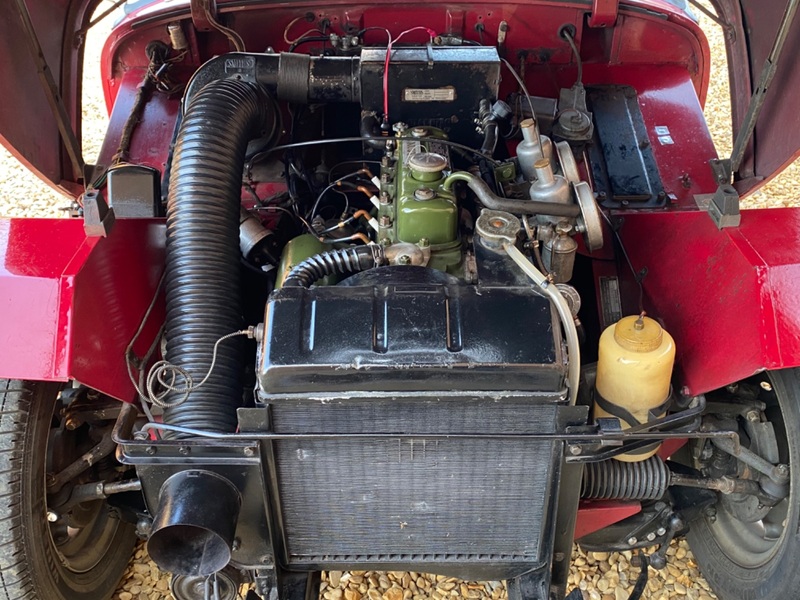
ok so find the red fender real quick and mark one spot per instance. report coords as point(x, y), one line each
point(71, 304)
point(730, 298)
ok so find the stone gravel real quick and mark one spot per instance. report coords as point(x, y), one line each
point(601, 576)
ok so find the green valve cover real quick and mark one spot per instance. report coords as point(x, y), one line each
point(424, 209)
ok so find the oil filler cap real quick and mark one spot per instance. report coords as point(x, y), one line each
point(638, 333)
point(427, 166)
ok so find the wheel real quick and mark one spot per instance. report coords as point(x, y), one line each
point(746, 550)
point(78, 555)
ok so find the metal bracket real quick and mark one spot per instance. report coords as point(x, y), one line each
point(721, 168)
point(98, 216)
point(604, 13)
point(724, 207)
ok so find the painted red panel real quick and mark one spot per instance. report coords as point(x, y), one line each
point(113, 287)
point(33, 256)
point(729, 297)
point(152, 139)
point(594, 515)
point(71, 304)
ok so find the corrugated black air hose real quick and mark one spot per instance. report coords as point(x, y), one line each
point(202, 254)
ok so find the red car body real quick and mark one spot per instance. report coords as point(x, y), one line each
point(727, 296)
point(71, 304)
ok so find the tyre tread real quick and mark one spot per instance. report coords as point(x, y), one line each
point(16, 582)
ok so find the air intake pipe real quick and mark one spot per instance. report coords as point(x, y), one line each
point(297, 78)
point(202, 255)
point(226, 105)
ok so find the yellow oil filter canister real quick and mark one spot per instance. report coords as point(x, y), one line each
point(634, 369)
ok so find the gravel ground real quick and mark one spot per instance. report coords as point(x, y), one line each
point(602, 576)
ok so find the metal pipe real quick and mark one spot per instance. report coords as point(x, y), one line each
point(519, 207)
point(195, 523)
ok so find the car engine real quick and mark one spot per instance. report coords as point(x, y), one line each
point(401, 335)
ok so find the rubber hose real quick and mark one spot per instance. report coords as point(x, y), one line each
point(337, 262)
point(616, 480)
point(202, 253)
point(371, 131)
point(489, 138)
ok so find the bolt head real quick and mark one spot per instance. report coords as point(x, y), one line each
point(404, 259)
point(150, 450)
point(249, 451)
point(575, 450)
point(52, 517)
point(632, 541)
point(766, 386)
point(661, 531)
point(143, 528)
point(651, 536)
point(183, 450)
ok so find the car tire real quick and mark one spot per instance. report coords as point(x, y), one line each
point(31, 565)
point(731, 558)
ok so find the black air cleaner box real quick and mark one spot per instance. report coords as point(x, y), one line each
point(438, 86)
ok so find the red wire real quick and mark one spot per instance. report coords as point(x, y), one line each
point(431, 33)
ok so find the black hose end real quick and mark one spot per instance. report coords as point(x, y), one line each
point(195, 523)
point(345, 261)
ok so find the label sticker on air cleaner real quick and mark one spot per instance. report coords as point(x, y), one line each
point(444, 94)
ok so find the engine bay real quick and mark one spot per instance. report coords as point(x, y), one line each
point(413, 228)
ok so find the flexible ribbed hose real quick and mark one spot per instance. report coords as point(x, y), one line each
point(337, 262)
point(202, 254)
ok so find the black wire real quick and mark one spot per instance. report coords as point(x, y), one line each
point(350, 162)
point(637, 275)
point(251, 267)
point(263, 206)
point(302, 41)
point(310, 216)
point(344, 140)
point(521, 85)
